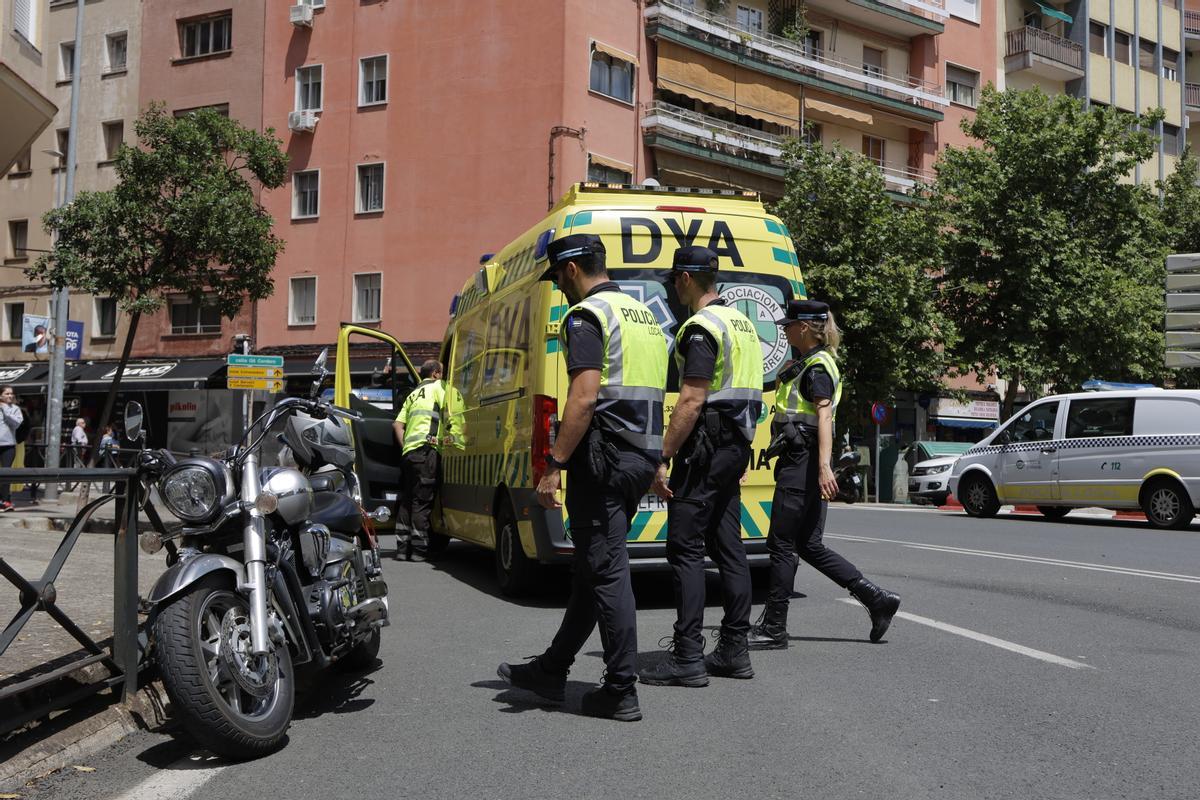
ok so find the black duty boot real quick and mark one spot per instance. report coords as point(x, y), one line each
point(770, 632)
point(677, 669)
point(609, 702)
point(534, 677)
point(418, 546)
point(881, 603)
point(730, 658)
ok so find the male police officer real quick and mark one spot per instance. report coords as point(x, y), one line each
point(417, 430)
point(720, 364)
point(610, 441)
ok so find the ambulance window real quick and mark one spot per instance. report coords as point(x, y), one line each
point(1107, 417)
point(468, 357)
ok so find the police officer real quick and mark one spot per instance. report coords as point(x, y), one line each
point(610, 442)
point(418, 430)
point(720, 365)
point(808, 392)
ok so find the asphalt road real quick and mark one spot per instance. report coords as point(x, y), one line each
point(1032, 660)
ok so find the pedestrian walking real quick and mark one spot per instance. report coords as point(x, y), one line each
point(10, 435)
point(418, 430)
point(802, 438)
point(79, 442)
point(707, 445)
point(609, 441)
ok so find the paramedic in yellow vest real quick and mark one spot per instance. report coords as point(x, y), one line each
point(707, 448)
point(609, 441)
point(419, 430)
point(808, 392)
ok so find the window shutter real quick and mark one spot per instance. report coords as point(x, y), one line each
point(23, 18)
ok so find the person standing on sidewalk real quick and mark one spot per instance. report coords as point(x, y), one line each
point(802, 436)
point(720, 364)
point(610, 441)
point(13, 417)
point(418, 432)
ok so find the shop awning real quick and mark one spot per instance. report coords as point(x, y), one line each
point(1051, 11)
point(963, 422)
point(160, 375)
point(28, 375)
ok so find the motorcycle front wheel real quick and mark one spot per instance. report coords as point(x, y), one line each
point(234, 703)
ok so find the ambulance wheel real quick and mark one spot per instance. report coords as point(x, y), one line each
point(1166, 504)
point(514, 570)
point(1054, 512)
point(978, 496)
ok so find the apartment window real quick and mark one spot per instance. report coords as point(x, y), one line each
point(873, 65)
point(604, 173)
point(117, 45)
point(23, 164)
point(302, 300)
point(372, 80)
point(750, 19)
point(1170, 64)
point(368, 293)
point(190, 317)
point(1146, 56)
point(874, 149)
point(1098, 38)
point(205, 36)
point(18, 238)
point(961, 85)
point(308, 88)
point(1170, 139)
point(66, 58)
point(370, 188)
point(222, 109)
point(611, 76)
point(1121, 47)
point(105, 319)
point(306, 188)
point(14, 317)
point(114, 136)
point(963, 9)
point(812, 44)
point(25, 18)
point(63, 137)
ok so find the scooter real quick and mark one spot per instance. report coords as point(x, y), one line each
point(848, 480)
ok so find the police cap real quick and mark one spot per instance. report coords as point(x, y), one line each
point(694, 258)
point(805, 311)
point(577, 245)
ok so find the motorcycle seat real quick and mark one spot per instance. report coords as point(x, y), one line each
point(337, 512)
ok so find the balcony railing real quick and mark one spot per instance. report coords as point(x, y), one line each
point(739, 140)
point(1191, 22)
point(1192, 95)
point(1045, 45)
point(930, 9)
point(720, 30)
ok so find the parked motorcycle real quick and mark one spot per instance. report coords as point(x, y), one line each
point(848, 480)
point(274, 568)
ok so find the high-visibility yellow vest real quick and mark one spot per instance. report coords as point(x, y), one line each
point(736, 388)
point(422, 413)
point(790, 405)
point(633, 378)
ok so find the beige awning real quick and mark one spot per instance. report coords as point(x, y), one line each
point(697, 76)
point(817, 108)
point(768, 99)
point(607, 49)
point(611, 163)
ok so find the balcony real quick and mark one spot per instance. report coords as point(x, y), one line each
point(700, 136)
point(1043, 54)
point(904, 18)
point(1191, 97)
point(1191, 23)
point(774, 55)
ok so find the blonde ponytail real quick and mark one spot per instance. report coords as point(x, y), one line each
point(831, 336)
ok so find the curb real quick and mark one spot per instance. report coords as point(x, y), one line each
point(1030, 510)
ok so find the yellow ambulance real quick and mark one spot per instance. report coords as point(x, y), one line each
point(502, 357)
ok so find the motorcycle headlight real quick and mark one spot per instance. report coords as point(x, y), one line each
point(192, 493)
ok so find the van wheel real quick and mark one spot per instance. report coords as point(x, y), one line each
point(515, 571)
point(1054, 512)
point(1167, 505)
point(978, 496)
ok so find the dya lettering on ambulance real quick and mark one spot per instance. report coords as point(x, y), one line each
point(720, 239)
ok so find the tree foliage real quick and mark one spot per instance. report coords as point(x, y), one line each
point(873, 260)
point(1053, 256)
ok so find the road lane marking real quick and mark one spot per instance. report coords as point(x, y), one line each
point(177, 782)
point(1003, 644)
point(1052, 562)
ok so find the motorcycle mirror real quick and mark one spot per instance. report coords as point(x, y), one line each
point(319, 364)
point(133, 421)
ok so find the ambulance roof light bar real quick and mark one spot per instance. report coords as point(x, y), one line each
point(594, 186)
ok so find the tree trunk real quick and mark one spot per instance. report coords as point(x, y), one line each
point(1010, 395)
point(109, 402)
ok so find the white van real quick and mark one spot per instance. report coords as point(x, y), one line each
point(1119, 450)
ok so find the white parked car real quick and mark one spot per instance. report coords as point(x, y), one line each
point(1119, 450)
point(928, 479)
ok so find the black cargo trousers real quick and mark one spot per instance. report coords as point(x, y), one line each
point(706, 514)
point(418, 490)
point(798, 525)
point(600, 511)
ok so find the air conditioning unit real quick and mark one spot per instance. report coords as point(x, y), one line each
point(303, 121)
point(301, 14)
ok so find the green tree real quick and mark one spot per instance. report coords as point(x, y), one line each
point(183, 219)
point(1053, 256)
point(1181, 216)
point(874, 261)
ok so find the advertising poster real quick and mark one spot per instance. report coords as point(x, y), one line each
point(74, 339)
point(199, 422)
point(35, 334)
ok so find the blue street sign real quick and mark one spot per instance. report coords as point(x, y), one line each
point(235, 360)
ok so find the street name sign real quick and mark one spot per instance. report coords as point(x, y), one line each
point(261, 373)
point(239, 360)
point(264, 384)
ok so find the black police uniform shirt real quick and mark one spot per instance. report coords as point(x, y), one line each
point(585, 338)
point(699, 351)
point(817, 383)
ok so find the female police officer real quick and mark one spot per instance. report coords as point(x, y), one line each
point(808, 392)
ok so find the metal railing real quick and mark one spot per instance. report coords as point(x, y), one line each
point(930, 9)
point(722, 31)
point(1046, 45)
point(713, 132)
point(34, 697)
point(1191, 93)
point(1191, 22)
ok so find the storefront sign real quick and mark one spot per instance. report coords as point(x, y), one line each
point(141, 372)
point(12, 374)
point(972, 409)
